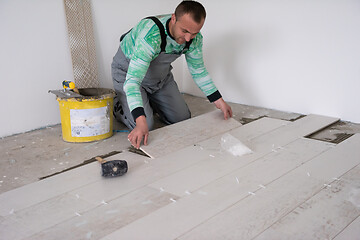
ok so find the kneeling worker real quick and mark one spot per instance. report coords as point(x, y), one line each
point(141, 70)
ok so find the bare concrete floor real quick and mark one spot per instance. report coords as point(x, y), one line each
point(27, 157)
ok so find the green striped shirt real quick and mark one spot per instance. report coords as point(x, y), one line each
point(142, 45)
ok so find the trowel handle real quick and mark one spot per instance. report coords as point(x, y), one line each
point(71, 85)
point(101, 160)
point(75, 89)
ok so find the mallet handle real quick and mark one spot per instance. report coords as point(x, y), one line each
point(101, 160)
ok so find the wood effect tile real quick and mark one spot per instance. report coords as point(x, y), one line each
point(139, 176)
point(189, 211)
point(286, 133)
point(280, 197)
point(264, 135)
point(324, 215)
point(47, 214)
point(351, 231)
point(109, 216)
point(177, 136)
point(258, 128)
point(47, 188)
point(219, 162)
point(10, 229)
point(43, 190)
point(201, 205)
point(247, 133)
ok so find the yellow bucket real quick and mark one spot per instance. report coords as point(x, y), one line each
point(89, 117)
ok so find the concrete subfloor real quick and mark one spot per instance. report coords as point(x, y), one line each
point(30, 156)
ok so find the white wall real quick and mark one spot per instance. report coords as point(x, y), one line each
point(34, 58)
point(112, 18)
point(299, 55)
point(35, 55)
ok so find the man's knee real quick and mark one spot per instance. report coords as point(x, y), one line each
point(179, 116)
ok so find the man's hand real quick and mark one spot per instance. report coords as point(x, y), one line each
point(224, 107)
point(140, 132)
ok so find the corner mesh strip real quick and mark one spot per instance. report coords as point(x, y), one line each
point(82, 43)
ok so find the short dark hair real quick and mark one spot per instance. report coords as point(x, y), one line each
point(194, 8)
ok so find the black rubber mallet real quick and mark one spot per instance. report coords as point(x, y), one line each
point(112, 168)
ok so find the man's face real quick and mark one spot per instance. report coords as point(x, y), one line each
point(184, 29)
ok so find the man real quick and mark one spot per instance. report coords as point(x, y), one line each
point(141, 70)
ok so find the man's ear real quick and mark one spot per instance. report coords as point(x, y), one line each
point(173, 18)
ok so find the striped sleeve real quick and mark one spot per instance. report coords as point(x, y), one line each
point(195, 62)
point(147, 37)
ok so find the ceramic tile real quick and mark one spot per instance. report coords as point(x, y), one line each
point(49, 213)
point(177, 136)
point(193, 189)
point(266, 206)
point(219, 162)
point(264, 136)
point(109, 216)
point(219, 195)
point(43, 190)
point(54, 186)
point(10, 229)
point(324, 215)
point(140, 175)
point(257, 128)
point(286, 133)
point(351, 231)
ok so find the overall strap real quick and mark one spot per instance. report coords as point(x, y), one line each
point(122, 36)
point(187, 45)
point(162, 32)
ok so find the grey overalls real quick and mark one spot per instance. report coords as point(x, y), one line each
point(158, 89)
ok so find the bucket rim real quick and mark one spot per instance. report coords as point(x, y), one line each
point(104, 93)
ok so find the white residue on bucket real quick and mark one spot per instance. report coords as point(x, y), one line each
point(89, 122)
point(233, 145)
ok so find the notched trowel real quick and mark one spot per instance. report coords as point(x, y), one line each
point(112, 168)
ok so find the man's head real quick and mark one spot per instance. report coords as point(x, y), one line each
point(195, 9)
point(187, 21)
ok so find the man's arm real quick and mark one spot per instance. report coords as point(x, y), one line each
point(143, 52)
point(194, 59)
point(133, 94)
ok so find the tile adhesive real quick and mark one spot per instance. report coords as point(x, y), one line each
point(87, 116)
